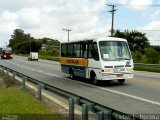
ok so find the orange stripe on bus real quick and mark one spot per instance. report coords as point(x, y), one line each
point(74, 61)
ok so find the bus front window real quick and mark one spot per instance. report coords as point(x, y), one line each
point(114, 50)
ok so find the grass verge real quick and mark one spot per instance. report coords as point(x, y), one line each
point(18, 104)
point(148, 68)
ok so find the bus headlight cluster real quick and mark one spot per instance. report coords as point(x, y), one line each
point(129, 69)
point(106, 70)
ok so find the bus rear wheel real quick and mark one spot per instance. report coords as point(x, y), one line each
point(121, 81)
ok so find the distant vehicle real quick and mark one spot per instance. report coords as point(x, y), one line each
point(6, 53)
point(98, 59)
point(33, 56)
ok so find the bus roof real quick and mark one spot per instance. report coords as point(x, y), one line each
point(98, 39)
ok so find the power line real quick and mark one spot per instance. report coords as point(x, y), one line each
point(138, 5)
point(150, 30)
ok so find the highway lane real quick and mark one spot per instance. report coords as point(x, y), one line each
point(145, 84)
point(140, 87)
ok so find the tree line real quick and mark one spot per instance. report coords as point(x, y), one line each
point(23, 43)
point(142, 51)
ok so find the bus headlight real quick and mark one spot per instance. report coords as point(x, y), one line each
point(129, 69)
point(106, 70)
point(4, 55)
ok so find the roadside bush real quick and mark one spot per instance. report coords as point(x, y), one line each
point(151, 56)
point(53, 52)
point(137, 57)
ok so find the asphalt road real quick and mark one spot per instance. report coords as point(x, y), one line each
point(140, 95)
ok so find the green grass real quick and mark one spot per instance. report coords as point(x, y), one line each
point(15, 101)
point(148, 68)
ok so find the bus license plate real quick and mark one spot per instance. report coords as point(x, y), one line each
point(120, 75)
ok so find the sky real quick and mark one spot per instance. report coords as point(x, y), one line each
point(85, 18)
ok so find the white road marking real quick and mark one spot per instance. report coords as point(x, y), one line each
point(35, 70)
point(113, 91)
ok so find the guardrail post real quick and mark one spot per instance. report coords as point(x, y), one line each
point(71, 109)
point(39, 92)
point(108, 115)
point(14, 76)
point(3, 69)
point(24, 82)
point(8, 71)
point(101, 115)
point(84, 112)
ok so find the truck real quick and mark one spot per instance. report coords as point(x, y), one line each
point(6, 53)
point(33, 56)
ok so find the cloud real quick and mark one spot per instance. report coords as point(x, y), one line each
point(7, 22)
point(154, 25)
point(153, 32)
point(123, 1)
point(140, 4)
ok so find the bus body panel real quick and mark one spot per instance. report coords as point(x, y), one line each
point(78, 65)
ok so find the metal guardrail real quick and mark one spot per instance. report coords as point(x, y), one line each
point(141, 64)
point(103, 112)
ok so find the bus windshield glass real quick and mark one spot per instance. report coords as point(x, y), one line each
point(114, 50)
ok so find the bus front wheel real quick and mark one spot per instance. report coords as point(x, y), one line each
point(94, 79)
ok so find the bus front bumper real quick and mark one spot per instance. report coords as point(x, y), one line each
point(115, 76)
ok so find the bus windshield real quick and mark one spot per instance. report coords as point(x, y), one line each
point(114, 50)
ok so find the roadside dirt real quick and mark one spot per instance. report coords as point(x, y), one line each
point(6, 81)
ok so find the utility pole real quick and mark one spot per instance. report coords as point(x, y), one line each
point(112, 11)
point(68, 30)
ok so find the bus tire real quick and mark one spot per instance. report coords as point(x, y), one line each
point(94, 78)
point(121, 81)
point(71, 74)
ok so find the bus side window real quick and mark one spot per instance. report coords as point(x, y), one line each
point(77, 50)
point(84, 50)
point(63, 49)
point(90, 50)
point(95, 51)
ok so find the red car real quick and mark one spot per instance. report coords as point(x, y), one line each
point(6, 54)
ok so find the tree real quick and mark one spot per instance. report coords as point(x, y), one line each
point(156, 47)
point(23, 43)
point(50, 41)
point(18, 37)
point(137, 40)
